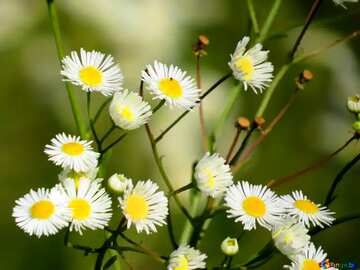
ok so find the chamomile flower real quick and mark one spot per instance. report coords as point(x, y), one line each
point(171, 84)
point(310, 259)
point(249, 66)
point(71, 152)
point(129, 111)
point(144, 206)
point(341, 2)
point(40, 212)
point(118, 183)
point(76, 176)
point(92, 71)
point(306, 211)
point(186, 258)
point(251, 204)
point(213, 175)
point(290, 237)
point(89, 204)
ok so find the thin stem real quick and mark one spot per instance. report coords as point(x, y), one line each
point(171, 232)
point(314, 9)
point(338, 178)
point(338, 221)
point(252, 13)
point(101, 109)
point(162, 171)
point(233, 144)
point(91, 123)
point(214, 86)
point(158, 106)
point(265, 133)
point(182, 189)
point(269, 20)
point(318, 164)
point(60, 52)
point(107, 134)
point(243, 144)
point(201, 111)
point(113, 143)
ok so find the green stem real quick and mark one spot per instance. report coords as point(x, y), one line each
point(101, 109)
point(252, 13)
point(269, 92)
point(269, 20)
point(60, 52)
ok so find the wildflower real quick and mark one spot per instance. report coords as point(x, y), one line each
point(230, 246)
point(118, 183)
point(186, 258)
point(310, 259)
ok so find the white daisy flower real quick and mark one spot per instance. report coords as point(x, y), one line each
point(213, 175)
point(249, 66)
point(290, 237)
point(71, 152)
point(129, 111)
point(251, 204)
point(310, 259)
point(144, 206)
point(118, 183)
point(186, 258)
point(300, 207)
point(40, 212)
point(89, 204)
point(341, 2)
point(171, 84)
point(92, 71)
point(76, 176)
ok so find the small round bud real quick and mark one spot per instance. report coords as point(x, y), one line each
point(230, 246)
point(259, 121)
point(118, 183)
point(353, 104)
point(204, 40)
point(243, 123)
point(307, 75)
point(356, 126)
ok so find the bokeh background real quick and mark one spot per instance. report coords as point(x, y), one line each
point(34, 107)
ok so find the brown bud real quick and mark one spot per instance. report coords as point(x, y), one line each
point(199, 47)
point(243, 123)
point(307, 75)
point(259, 121)
point(204, 40)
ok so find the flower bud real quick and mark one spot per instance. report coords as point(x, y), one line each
point(230, 246)
point(118, 183)
point(356, 126)
point(353, 104)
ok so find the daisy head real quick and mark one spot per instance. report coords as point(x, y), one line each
point(250, 66)
point(129, 111)
point(186, 258)
point(92, 71)
point(76, 176)
point(306, 211)
point(40, 212)
point(171, 84)
point(71, 152)
point(144, 206)
point(89, 204)
point(251, 204)
point(290, 237)
point(213, 175)
point(118, 183)
point(310, 259)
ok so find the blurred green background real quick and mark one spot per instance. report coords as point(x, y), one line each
point(34, 107)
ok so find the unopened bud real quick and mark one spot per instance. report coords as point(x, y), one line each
point(204, 40)
point(303, 78)
point(200, 45)
point(356, 126)
point(230, 246)
point(242, 123)
point(353, 104)
point(259, 121)
point(118, 183)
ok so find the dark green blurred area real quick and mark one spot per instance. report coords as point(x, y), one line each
point(34, 107)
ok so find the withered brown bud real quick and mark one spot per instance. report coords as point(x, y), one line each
point(259, 121)
point(204, 40)
point(199, 47)
point(303, 78)
point(243, 123)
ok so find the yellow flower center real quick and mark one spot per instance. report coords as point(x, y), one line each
point(73, 148)
point(306, 206)
point(42, 209)
point(91, 76)
point(254, 206)
point(126, 113)
point(210, 178)
point(81, 209)
point(289, 237)
point(309, 264)
point(245, 65)
point(136, 207)
point(231, 242)
point(183, 263)
point(171, 88)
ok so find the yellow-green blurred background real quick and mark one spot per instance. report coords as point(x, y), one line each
point(34, 107)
